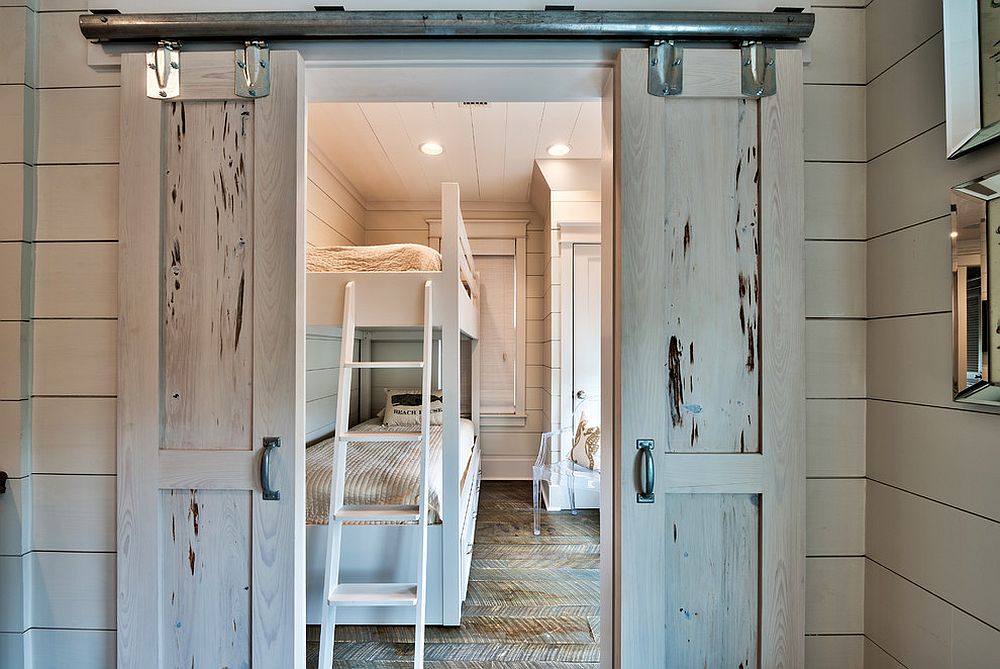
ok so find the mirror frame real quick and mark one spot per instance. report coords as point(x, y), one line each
point(987, 390)
point(963, 80)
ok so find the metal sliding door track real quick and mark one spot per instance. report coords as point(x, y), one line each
point(774, 27)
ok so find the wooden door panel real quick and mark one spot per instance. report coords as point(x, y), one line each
point(205, 576)
point(712, 277)
point(208, 277)
point(211, 336)
point(711, 367)
point(712, 556)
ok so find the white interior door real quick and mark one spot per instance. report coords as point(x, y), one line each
point(711, 336)
point(211, 283)
point(587, 330)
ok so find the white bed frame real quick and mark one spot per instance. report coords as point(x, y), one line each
point(391, 302)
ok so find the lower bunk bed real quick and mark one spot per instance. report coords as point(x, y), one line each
point(385, 472)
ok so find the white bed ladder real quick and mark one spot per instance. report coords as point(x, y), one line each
point(375, 594)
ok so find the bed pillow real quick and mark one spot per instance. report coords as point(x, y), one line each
point(587, 445)
point(402, 407)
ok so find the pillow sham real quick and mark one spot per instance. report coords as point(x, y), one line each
point(403, 407)
point(586, 450)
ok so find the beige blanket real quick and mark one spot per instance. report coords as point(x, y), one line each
point(381, 258)
point(380, 472)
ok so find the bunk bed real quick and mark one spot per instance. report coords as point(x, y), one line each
point(385, 288)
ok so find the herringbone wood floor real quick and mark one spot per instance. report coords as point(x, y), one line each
point(533, 602)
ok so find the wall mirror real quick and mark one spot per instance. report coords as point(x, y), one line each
point(972, 73)
point(975, 269)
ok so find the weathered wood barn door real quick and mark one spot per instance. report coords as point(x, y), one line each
point(710, 290)
point(210, 569)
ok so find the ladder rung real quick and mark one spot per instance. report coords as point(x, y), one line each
point(374, 594)
point(381, 436)
point(396, 512)
point(403, 364)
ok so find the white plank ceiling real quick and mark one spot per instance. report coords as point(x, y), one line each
point(488, 149)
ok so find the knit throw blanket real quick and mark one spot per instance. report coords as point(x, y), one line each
point(382, 258)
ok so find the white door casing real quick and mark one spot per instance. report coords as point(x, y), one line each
point(211, 349)
point(710, 346)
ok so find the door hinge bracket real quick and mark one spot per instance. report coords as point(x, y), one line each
point(163, 79)
point(253, 69)
point(758, 69)
point(666, 69)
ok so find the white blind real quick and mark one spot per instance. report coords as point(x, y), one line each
point(497, 332)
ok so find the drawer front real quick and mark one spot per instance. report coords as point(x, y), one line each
point(469, 531)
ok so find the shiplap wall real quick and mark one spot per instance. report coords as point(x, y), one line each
point(540, 195)
point(334, 217)
point(561, 192)
point(18, 98)
point(70, 583)
point(322, 375)
point(932, 596)
point(59, 154)
point(835, 336)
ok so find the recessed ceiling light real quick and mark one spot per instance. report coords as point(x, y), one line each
point(431, 149)
point(954, 234)
point(558, 149)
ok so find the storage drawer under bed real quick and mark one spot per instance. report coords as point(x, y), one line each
point(469, 521)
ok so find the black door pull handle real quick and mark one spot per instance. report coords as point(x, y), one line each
point(647, 472)
point(270, 494)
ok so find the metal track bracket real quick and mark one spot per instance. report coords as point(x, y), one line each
point(759, 75)
point(666, 69)
point(163, 79)
point(253, 70)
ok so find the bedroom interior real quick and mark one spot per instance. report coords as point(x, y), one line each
point(518, 188)
point(134, 528)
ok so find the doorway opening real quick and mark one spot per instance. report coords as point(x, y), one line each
point(514, 542)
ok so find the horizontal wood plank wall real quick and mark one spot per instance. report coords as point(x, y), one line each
point(18, 115)
point(565, 201)
point(933, 507)
point(74, 307)
point(547, 353)
point(322, 373)
point(334, 215)
point(835, 255)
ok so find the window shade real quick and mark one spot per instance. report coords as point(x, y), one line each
point(498, 332)
point(974, 330)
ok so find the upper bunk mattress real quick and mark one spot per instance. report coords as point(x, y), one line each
point(381, 472)
point(381, 258)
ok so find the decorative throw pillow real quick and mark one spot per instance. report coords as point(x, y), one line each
point(402, 407)
point(587, 445)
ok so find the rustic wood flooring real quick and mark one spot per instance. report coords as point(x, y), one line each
point(533, 602)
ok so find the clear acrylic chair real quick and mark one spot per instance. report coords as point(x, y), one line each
point(555, 466)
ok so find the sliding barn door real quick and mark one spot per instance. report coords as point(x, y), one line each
point(711, 327)
point(210, 357)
